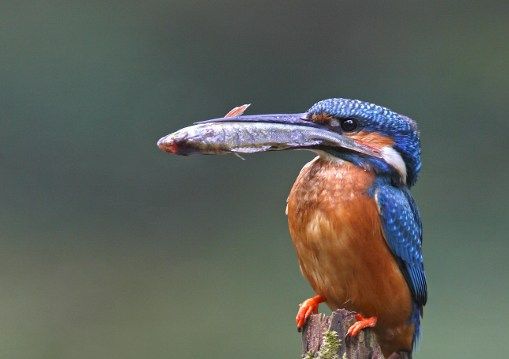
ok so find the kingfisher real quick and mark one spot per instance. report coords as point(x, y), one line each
point(353, 222)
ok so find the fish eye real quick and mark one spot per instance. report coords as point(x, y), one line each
point(348, 124)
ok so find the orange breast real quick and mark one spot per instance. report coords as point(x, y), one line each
point(336, 230)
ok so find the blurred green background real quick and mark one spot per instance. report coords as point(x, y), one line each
point(112, 249)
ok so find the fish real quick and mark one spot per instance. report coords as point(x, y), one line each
point(236, 133)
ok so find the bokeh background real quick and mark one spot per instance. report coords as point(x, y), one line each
point(112, 249)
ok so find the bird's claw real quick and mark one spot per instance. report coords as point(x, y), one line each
point(306, 308)
point(361, 324)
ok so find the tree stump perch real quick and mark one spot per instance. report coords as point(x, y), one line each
point(316, 339)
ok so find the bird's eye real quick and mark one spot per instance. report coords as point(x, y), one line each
point(348, 124)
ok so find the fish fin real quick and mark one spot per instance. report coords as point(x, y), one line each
point(237, 111)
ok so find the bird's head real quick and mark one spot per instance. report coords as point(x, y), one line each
point(367, 135)
point(394, 137)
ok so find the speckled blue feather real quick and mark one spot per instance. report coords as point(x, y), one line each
point(402, 230)
point(379, 119)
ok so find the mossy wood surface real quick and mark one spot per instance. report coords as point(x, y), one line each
point(365, 345)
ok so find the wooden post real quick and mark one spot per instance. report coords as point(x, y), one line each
point(320, 341)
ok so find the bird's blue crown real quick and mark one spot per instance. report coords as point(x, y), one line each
point(373, 118)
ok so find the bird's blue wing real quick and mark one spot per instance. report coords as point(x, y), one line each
point(402, 230)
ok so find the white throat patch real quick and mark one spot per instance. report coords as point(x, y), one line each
point(392, 157)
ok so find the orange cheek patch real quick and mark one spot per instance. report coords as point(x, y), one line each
point(321, 118)
point(372, 139)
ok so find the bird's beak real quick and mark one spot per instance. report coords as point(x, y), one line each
point(259, 133)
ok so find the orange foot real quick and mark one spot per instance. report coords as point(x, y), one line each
point(360, 324)
point(308, 307)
